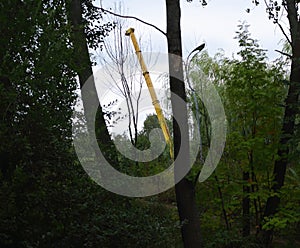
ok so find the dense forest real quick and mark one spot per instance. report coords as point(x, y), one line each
point(47, 198)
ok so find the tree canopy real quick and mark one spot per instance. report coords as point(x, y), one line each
point(47, 199)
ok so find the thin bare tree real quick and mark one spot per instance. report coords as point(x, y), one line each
point(124, 71)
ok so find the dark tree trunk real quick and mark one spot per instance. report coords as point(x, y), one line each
point(246, 205)
point(291, 105)
point(222, 200)
point(83, 66)
point(6, 166)
point(185, 189)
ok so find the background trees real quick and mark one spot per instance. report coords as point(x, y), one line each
point(46, 198)
point(291, 10)
point(253, 91)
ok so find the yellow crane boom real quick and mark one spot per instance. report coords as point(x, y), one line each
point(155, 101)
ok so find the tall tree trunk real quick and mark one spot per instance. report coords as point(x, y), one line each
point(83, 66)
point(246, 205)
point(246, 193)
point(185, 189)
point(291, 105)
point(222, 200)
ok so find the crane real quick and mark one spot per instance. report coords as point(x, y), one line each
point(155, 101)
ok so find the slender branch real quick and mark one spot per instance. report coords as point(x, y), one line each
point(222, 201)
point(285, 54)
point(131, 17)
point(280, 26)
point(284, 33)
point(285, 7)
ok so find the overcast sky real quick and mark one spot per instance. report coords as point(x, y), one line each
point(214, 24)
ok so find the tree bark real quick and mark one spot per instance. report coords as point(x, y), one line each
point(185, 189)
point(83, 67)
point(288, 128)
point(246, 205)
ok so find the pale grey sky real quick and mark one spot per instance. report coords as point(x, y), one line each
point(214, 24)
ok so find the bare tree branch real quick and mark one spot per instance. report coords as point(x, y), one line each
point(283, 53)
point(284, 33)
point(131, 17)
point(280, 26)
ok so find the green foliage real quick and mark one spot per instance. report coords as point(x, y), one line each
point(286, 221)
point(46, 199)
point(254, 93)
point(252, 90)
point(70, 211)
point(143, 143)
